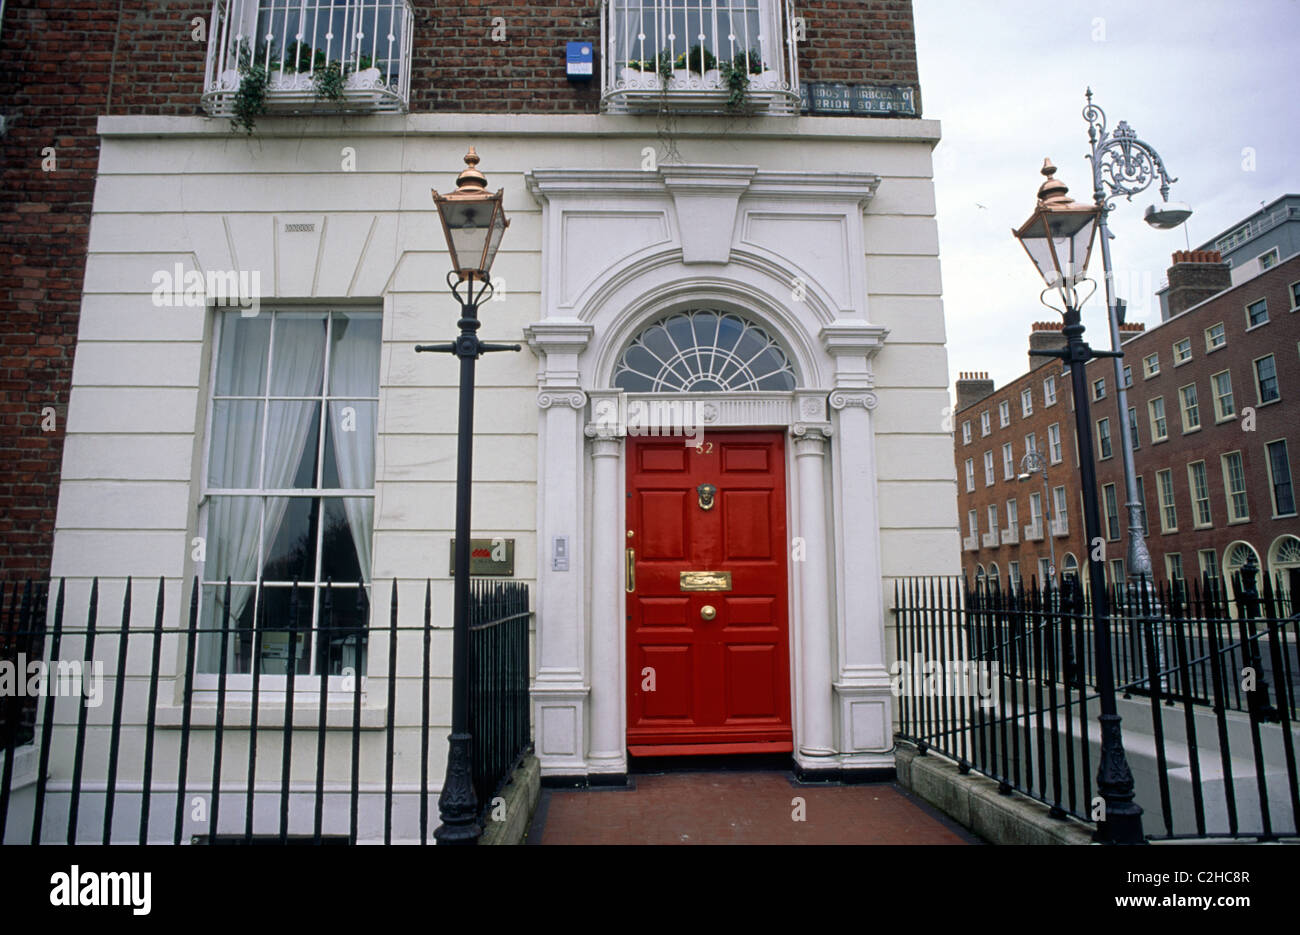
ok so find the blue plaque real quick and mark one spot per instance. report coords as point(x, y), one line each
point(578, 60)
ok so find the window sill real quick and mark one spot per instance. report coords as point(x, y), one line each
point(270, 714)
point(1250, 328)
point(1222, 419)
point(1182, 363)
point(1211, 350)
point(1169, 532)
point(1238, 522)
point(1284, 515)
point(1160, 441)
point(1269, 403)
point(1191, 431)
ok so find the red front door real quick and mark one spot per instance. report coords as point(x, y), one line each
point(708, 670)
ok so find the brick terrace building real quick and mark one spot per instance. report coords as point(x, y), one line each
point(1214, 399)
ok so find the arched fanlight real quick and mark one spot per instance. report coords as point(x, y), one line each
point(703, 351)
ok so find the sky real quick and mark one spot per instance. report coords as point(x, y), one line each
point(1211, 86)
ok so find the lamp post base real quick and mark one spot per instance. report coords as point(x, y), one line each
point(1122, 823)
point(457, 805)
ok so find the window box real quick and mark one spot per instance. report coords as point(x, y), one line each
point(647, 40)
point(367, 41)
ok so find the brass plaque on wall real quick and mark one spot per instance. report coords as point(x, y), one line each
point(487, 557)
point(706, 581)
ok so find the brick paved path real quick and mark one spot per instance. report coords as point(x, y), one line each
point(738, 808)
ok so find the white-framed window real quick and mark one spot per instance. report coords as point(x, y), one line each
point(984, 423)
point(1036, 509)
point(1059, 506)
point(965, 432)
point(1112, 511)
point(1256, 313)
point(993, 519)
point(289, 488)
point(1103, 438)
point(1224, 406)
point(1182, 351)
point(1268, 259)
point(1004, 413)
point(1150, 366)
point(973, 523)
point(1054, 442)
point(1188, 402)
point(1159, 425)
point(1133, 438)
point(1013, 573)
point(1165, 497)
point(1234, 487)
point(988, 469)
point(970, 474)
point(1026, 402)
point(1295, 295)
point(1117, 572)
point(1174, 566)
point(1044, 570)
point(1266, 387)
point(1279, 478)
point(1049, 388)
point(1008, 462)
point(1199, 485)
point(1128, 376)
point(1098, 389)
point(1215, 337)
point(1208, 560)
point(1012, 514)
point(1031, 443)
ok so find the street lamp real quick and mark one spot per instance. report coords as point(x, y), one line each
point(1058, 238)
point(473, 221)
point(1124, 165)
point(1034, 463)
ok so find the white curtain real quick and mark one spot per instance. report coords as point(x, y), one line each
point(354, 371)
point(296, 370)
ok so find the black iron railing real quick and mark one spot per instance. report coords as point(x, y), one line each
point(1002, 680)
point(130, 735)
point(498, 665)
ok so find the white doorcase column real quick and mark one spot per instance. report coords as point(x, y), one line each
point(608, 711)
point(816, 733)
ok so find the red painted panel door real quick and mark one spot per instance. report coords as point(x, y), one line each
point(708, 671)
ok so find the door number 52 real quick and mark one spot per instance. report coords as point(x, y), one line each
point(704, 448)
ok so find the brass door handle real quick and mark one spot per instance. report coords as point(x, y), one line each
point(631, 570)
point(708, 612)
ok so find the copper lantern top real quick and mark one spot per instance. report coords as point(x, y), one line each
point(473, 221)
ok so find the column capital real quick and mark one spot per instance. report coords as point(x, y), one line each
point(810, 437)
point(844, 398)
point(571, 397)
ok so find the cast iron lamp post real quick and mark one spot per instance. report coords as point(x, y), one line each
point(1058, 238)
point(473, 221)
point(1124, 165)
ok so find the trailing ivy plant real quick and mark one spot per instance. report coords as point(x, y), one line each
point(249, 101)
point(328, 82)
point(735, 78)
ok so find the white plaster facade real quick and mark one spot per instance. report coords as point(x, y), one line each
point(597, 247)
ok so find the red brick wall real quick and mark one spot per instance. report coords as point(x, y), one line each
point(63, 63)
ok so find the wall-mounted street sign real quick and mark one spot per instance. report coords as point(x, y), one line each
point(493, 558)
point(881, 100)
point(857, 100)
point(831, 99)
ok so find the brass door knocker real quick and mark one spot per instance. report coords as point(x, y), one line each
point(706, 492)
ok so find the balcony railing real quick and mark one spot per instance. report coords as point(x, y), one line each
point(678, 54)
point(1009, 536)
point(319, 56)
point(1034, 531)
